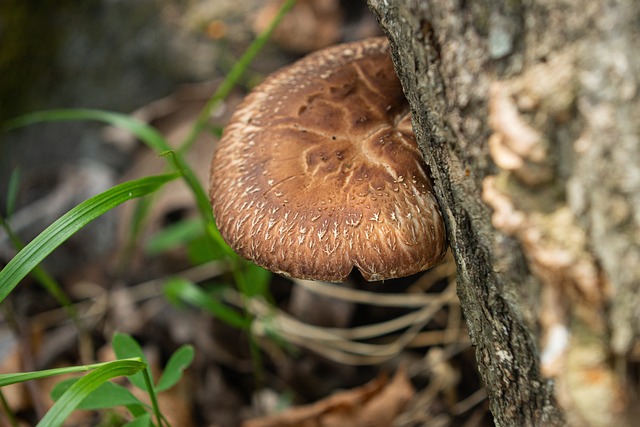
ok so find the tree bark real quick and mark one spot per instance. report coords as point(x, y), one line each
point(528, 115)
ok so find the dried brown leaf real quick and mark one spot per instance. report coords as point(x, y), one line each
point(374, 404)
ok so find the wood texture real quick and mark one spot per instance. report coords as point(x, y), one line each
point(528, 116)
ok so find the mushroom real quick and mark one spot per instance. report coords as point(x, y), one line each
point(318, 171)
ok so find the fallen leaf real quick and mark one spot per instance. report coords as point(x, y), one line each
point(374, 404)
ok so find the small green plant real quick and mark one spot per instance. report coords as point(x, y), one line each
point(94, 391)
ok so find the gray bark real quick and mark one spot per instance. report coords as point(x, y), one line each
point(528, 115)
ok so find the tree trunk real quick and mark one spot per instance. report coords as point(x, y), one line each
point(528, 115)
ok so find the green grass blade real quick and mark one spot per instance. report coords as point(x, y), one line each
point(142, 131)
point(11, 417)
point(178, 234)
point(12, 192)
point(107, 395)
point(202, 200)
point(56, 291)
point(8, 379)
point(68, 224)
point(43, 276)
point(234, 75)
point(147, 134)
point(182, 290)
point(70, 400)
point(178, 362)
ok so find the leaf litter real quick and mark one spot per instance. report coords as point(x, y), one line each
point(382, 354)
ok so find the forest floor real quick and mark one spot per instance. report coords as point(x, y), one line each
point(316, 354)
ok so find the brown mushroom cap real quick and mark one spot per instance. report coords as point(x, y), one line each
point(318, 171)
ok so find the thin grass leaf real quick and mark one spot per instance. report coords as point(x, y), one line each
point(12, 192)
point(48, 282)
point(204, 207)
point(13, 421)
point(107, 395)
point(8, 379)
point(140, 212)
point(140, 130)
point(70, 400)
point(40, 247)
point(202, 201)
point(178, 362)
point(234, 75)
point(147, 134)
point(56, 290)
point(182, 290)
point(215, 130)
point(142, 209)
point(177, 234)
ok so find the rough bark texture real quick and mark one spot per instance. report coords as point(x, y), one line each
point(528, 115)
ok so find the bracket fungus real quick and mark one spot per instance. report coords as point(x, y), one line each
point(318, 172)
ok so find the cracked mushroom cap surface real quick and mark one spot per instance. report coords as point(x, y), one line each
point(318, 172)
